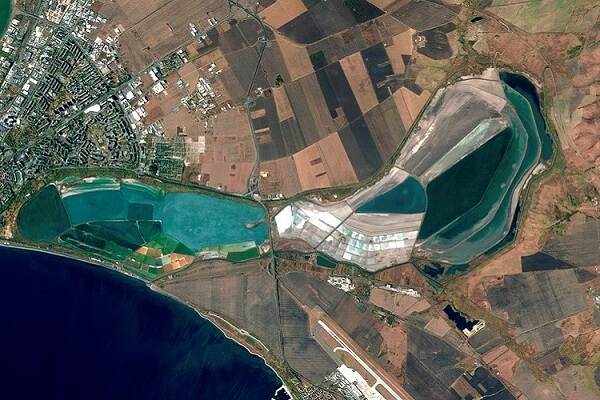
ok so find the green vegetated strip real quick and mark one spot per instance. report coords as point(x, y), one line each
point(245, 255)
point(461, 187)
point(326, 262)
point(406, 198)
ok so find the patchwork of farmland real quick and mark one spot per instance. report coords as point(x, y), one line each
point(331, 98)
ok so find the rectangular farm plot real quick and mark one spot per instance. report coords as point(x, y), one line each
point(182, 123)
point(294, 117)
point(295, 57)
point(382, 4)
point(310, 108)
point(409, 104)
point(324, 164)
point(379, 69)
point(279, 176)
point(340, 100)
point(243, 64)
point(230, 153)
point(340, 168)
point(128, 12)
point(386, 126)
point(275, 139)
point(281, 12)
point(273, 65)
point(227, 176)
point(402, 45)
point(361, 148)
point(282, 103)
point(358, 78)
point(534, 299)
point(423, 15)
point(312, 171)
point(190, 74)
point(336, 47)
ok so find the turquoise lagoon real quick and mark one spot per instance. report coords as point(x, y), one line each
point(195, 219)
point(469, 207)
point(458, 236)
point(406, 198)
point(147, 229)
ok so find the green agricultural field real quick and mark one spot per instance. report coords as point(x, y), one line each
point(43, 217)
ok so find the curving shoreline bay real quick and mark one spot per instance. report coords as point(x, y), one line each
point(214, 321)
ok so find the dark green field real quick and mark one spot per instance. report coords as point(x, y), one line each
point(460, 188)
point(43, 217)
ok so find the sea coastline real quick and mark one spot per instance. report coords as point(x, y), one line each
point(229, 330)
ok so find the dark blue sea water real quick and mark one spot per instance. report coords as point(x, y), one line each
point(70, 330)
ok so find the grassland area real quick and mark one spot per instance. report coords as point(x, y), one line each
point(548, 15)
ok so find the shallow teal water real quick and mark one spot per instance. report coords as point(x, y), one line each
point(406, 198)
point(5, 13)
point(486, 223)
point(461, 187)
point(197, 220)
point(498, 227)
point(97, 205)
point(526, 89)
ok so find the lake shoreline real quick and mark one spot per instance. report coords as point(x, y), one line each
point(228, 329)
point(13, 6)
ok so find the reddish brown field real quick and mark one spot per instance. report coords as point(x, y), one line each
point(282, 102)
point(281, 12)
point(396, 303)
point(181, 122)
point(502, 360)
point(324, 164)
point(338, 163)
point(437, 326)
point(394, 347)
point(401, 44)
point(230, 153)
point(414, 103)
point(281, 177)
point(312, 171)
